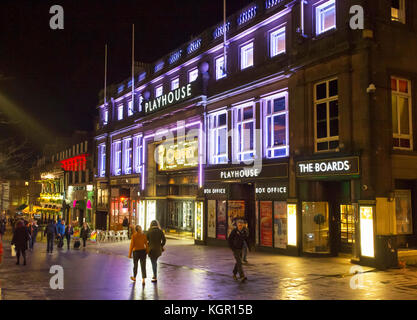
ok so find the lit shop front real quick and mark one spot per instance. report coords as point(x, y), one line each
point(80, 202)
point(172, 198)
point(125, 199)
point(51, 198)
point(332, 216)
point(257, 195)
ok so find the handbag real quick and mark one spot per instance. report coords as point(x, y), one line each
point(13, 250)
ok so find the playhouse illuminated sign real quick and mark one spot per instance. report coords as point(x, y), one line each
point(342, 166)
point(168, 99)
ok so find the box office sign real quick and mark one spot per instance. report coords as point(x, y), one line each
point(328, 167)
point(216, 191)
point(273, 190)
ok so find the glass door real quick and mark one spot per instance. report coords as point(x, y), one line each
point(347, 227)
point(315, 216)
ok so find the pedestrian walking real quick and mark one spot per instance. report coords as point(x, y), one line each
point(156, 240)
point(20, 241)
point(139, 247)
point(61, 233)
point(246, 242)
point(69, 231)
point(34, 228)
point(50, 232)
point(85, 233)
point(236, 239)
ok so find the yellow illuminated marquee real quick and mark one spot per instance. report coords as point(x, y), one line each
point(178, 156)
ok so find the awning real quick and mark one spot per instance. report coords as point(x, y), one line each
point(21, 207)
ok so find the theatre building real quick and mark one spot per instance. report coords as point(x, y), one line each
point(302, 125)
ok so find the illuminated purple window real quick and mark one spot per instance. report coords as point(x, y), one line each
point(275, 110)
point(127, 155)
point(244, 132)
point(137, 153)
point(102, 159)
point(117, 158)
point(218, 138)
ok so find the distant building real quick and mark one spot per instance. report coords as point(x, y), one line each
point(61, 181)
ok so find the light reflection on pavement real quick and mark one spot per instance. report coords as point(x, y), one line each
point(187, 271)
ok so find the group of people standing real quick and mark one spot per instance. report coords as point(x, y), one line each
point(142, 245)
point(61, 231)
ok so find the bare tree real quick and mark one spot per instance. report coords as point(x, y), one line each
point(13, 158)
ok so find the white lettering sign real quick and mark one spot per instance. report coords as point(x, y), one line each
point(215, 191)
point(325, 166)
point(271, 190)
point(169, 98)
point(236, 174)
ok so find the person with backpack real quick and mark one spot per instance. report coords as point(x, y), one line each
point(50, 232)
point(139, 247)
point(61, 233)
point(236, 239)
point(156, 240)
point(69, 231)
point(85, 233)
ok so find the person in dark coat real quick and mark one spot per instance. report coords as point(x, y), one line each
point(85, 233)
point(156, 240)
point(34, 228)
point(69, 231)
point(20, 240)
point(236, 239)
point(50, 232)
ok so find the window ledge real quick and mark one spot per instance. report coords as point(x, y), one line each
point(404, 152)
point(324, 34)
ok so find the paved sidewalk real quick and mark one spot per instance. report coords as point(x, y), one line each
point(187, 271)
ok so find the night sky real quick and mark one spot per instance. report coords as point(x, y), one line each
point(50, 79)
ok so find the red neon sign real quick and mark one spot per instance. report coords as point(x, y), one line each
point(77, 163)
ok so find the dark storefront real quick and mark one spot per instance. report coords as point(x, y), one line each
point(328, 197)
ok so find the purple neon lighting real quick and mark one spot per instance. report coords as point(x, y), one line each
point(165, 131)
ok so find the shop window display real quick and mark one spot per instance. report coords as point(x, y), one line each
point(403, 211)
point(221, 220)
point(280, 224)
point(211, 218)
point(315, 216)
point(266, 223)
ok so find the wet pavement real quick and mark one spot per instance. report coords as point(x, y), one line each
point(187, 271)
